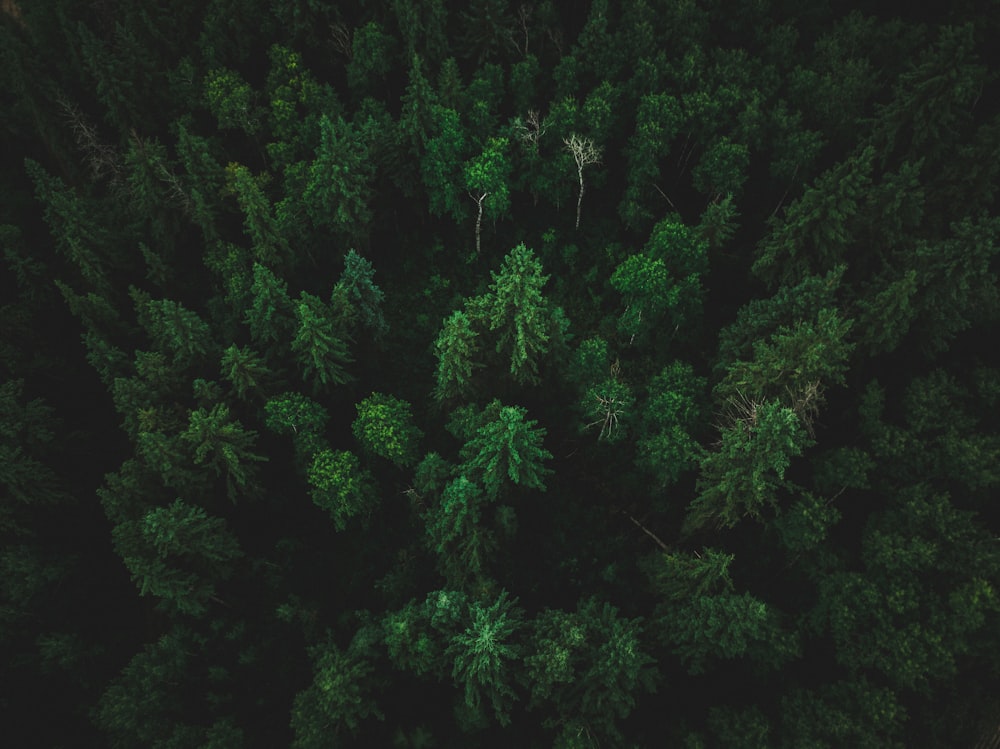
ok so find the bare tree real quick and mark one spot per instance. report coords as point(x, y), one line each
point(585, 153)
point(530, 128)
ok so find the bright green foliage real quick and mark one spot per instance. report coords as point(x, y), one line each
point(361, 292)
point(507, 447)
point(338, 699)
point(225, 446)
point(417, 636)
point(663, 281)
point(341, 487)
point(385, 427)
point(245, 370)
point(455, 532)
point(270, 314)
point(302, 417)
point(744, 476)
point(845, 713)
point(671, 412)
point(484, 653)
point(457, 354)
point(177, 553)
point(173, 328)
point(338, 189)
point(588, 665)
point(515, 307)
point(295, 413)
point(321, 353)
point(231, 100)
point(487, 177)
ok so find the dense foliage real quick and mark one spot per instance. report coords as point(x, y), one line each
point(402, 373)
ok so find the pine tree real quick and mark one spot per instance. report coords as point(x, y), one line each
point(226, 447)
point(457, 354)
point(514, 305)
point(321, 353)
point(483, 655)
point(507, 447)
point(362, 293)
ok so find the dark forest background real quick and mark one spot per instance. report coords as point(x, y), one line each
point(398, 374)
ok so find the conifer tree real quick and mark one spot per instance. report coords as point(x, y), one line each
point(321, 353)
point(507, 447)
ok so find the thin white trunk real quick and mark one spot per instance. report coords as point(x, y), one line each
point(579, 199)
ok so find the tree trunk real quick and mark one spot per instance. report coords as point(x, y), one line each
point(579, 199)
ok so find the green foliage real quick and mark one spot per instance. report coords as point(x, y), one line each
point(456, 534)
point(898, 617)
point(337, 700)
point(506, 447)
point(225, 446)
point(664, 281)
point(338, 189)
point(722, 169)
point(744, 476)
point(385, 427)
point(608, 409)
point(321, 353)
point(178, 553)
point(725, 626)
point(487, 177)
point(270, 313)
point(245, 370)
point(361, 292)
point(173, 328)
point(588, 665)
point(844, 713)
point(231, 100)
point(143, 704)
point(484, 652)
point(514, 305)
point(341, 487)
point(456, 350)
point(671, 412)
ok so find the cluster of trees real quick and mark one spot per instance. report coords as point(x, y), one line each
point(513, 375)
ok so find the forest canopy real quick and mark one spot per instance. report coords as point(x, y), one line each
point(409, 374)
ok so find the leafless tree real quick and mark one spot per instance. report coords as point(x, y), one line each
point(585, 153)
